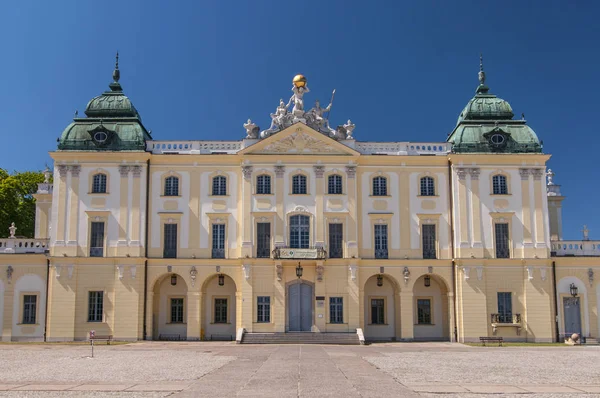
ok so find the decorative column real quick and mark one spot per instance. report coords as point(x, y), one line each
point(247, 211)
point(354, 297)
point(526, 208)
point(278, 305)
point(476, 212)
point(279, 195)
point(451, 320)
point(134, 234)
point(247, 302)
point(149, 314)
point(460, 205)
point(73, 212)
point(319, 219)
point(123, 205)
point(540, 235)
point(351, 239)
point(61, 228)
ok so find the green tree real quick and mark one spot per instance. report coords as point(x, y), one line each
point(17, 203)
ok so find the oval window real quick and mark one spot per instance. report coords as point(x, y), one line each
point(100, 136)
point(497, 139)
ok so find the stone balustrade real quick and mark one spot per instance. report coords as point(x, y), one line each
point(576, 248)
point(193, 147)
point(23, 245)
point(403, 148)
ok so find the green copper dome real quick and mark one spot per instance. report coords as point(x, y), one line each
point(486, 125)
point(112, 124)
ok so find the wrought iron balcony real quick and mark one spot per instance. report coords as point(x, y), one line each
point(218, 253)
point(381, 253)
point(506, 318)
point(316, 253)
point(96, 252)
point(170, 253)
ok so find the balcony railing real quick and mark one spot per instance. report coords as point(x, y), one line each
point(218, 253)
point(96, 252)
point(23, 245)
point(576, 248)
point(506, 318)
point(381, 253)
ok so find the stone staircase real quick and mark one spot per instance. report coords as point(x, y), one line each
point(591, 341)
point(301, 338)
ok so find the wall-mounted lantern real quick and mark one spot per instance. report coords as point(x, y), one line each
point(221, 279)
point(573, 289)
point(299, 270)
point(379, 280)
point(427, 280)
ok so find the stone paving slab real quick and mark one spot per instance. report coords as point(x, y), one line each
point(45, 387)
point(6, 387)
point(494, 389)
point(549, 389)
point(167, 386)
point(590, 389)
point(438, 388)
point(102, 387)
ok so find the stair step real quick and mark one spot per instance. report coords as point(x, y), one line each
point(301, 338)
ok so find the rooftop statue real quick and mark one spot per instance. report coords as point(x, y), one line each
point(251, 130)
point(315, 118)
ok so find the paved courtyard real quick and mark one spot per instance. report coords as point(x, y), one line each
point(156, 369)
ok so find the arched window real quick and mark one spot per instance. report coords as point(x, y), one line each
point(299, 232)
point(263, 184)
point(99, 183)
point(379, 186)
point(499, 185)
point(298, 184)
point(427, 186)
point(172, 186)
point(219, 187)
point(334, 184)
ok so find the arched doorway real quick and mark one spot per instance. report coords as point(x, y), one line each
point(380, 308)
point(169, 308)
point(300, 306)
point(219, 308)
point(430, 309)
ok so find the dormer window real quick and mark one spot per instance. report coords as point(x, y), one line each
point(100, 135)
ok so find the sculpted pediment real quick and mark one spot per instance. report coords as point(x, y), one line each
point(300, 140)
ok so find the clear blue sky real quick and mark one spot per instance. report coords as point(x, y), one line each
point(403, 71)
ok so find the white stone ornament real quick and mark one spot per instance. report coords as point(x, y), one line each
point(57, 269)
point(466, 272)
point(479, 270)
point(120, 271)
point(133, 271)
point(530, 273)
point(12, 229)
point(246, 269)
point(353, 268)
point(251, 130)
point(543, 272)
point(70, 271)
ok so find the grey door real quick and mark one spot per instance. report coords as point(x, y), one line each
point(572, 315)
point(300, 307)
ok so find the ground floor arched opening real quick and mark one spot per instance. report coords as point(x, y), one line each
point(381, 308)
point(430, 309)
point(169, 308)
point(219, 308)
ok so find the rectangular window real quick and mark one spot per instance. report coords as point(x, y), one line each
point(381, 241)
point(299, 232)
point(221, 310)
point(95, 306)
point(505, 307)
point(263, 240)
point(263, 309)
point(170, 248)
point(377, 311)
point(428, 236)
point(334, 185)
point(336, 239)
point(424, 311)
point(176, 310)
point(379, 186)
point(336, 310)
point(299, 185)
point(263, 184)
point(97, 239)
point(218, 241)
point(502, 242)
point(29, 308)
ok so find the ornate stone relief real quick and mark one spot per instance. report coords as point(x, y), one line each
point(62, 170)
point(479, 270)
point(300, 142)
point(137, 170)
point(193, 274)
point(530, 273)
point(319, 170)
point(279, 171)
point(279, 270)
point(353, 268)
point(466, 272)
point(247, 172)
point(543, 272)
point(133, 271)
point(474, 173)
point(524, 174)
point(406, 274)
point(351, 171)
point(320, 271)
point(462, 173)
point(246, 269)
point(57, 269)
point(124, 171)
point(120, 271)
point(537, 173)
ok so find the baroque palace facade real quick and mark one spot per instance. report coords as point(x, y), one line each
point(299, 227)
